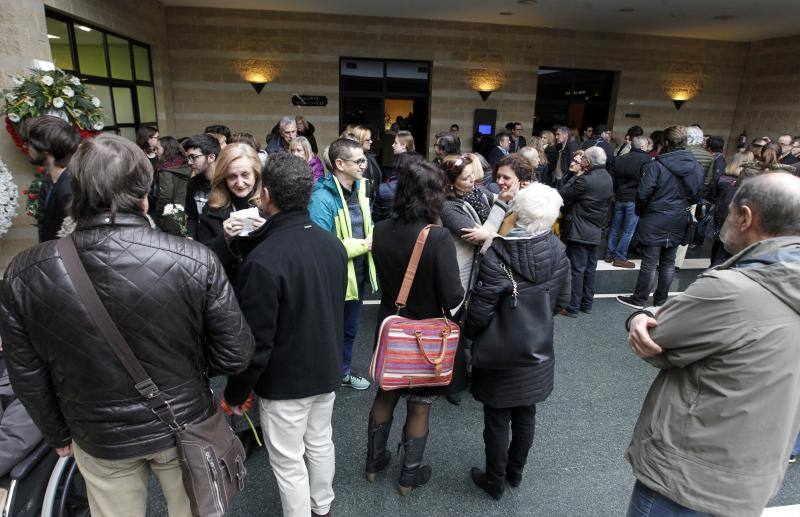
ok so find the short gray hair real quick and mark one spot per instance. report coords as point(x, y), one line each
point(639, 142)
point(774, 198)
point(108, 173)
point(596, 155)
point(537, 207)
point(694, 135)
point(285, 121)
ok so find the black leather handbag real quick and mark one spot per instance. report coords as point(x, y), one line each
point(211, 455)
point(515, 336)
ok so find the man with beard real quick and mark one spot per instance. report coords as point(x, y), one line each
point(51, 143)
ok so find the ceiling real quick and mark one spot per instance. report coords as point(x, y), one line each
point(751, 19)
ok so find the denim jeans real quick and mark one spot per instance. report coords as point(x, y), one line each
point(796, 449)
point(352, 320)
point(583, 264)
point(655, 257)
point(649, 503)
point(623, 224)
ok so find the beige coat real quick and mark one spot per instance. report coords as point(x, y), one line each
point(721, 417)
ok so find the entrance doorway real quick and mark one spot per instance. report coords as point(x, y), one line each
point(385, 96)
point(572, 98)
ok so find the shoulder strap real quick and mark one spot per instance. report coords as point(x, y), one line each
point(102, 320)
point(411, 270)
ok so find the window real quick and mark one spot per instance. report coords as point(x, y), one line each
point(115, 69)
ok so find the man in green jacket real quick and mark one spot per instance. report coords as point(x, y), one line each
point(719, 421)
point(340, 205)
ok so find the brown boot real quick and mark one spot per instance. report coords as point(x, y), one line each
point(624, 263)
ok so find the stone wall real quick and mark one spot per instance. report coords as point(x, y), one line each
point(209, 46)
point(769, 103)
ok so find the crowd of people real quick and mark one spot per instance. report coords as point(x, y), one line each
point(208, 250)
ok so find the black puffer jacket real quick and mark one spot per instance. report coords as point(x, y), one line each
point(587, 199)
point(536, 263)
point(660, 202)
point(627, 172)
point(171, 301)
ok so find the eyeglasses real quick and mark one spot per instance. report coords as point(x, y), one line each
point(360, 161)
point(192, 157)
point(577, 161)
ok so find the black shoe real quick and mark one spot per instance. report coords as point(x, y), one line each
point(414, 473)
point(378, 457)
point(587, 311)
point(630, 301)
point(479, 478)
point(514, 479)
point(565, 312)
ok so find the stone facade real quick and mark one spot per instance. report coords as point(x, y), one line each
point(200, 56)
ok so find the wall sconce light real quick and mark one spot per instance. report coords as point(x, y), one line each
point(680, 95)
point(682, 89)
point(486, 81)
point(258, 73)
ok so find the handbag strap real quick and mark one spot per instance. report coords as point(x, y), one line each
point(102, 320)
point(411, 270)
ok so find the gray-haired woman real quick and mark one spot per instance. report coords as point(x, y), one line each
point(523, 281)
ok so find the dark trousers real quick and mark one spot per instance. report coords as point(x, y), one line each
point(583, 265)
point(655, 258)
point(352, 320)
point(502, 456)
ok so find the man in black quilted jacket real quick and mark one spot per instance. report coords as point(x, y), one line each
point(171, 301)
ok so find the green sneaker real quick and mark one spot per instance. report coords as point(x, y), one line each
point(355, 382)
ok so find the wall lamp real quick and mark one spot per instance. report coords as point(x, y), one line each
point(682, 91)
point(486, 81)
point(258, 73)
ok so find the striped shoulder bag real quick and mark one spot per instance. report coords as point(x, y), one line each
point(414, 353)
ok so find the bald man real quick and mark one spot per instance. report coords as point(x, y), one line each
point(717, 426)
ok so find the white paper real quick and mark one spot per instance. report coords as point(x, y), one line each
point(245, 217)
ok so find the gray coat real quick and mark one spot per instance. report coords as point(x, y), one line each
point(719, 421)
point(18, 434)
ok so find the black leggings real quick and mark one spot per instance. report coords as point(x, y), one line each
point(416, 415)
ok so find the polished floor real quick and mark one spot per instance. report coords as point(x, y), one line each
point(576, 468)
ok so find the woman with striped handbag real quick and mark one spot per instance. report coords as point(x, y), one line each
point(434, 292)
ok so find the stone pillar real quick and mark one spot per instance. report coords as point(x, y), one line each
point(23, 38)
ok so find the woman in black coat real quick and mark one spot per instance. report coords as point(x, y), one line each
point(436, 288)
point(236, 185)
point(523, 282)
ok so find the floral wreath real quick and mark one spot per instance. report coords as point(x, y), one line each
point(8, 199)
point(49, 92)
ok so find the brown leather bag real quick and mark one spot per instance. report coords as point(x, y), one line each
point(211, 455)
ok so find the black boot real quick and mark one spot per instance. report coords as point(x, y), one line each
point(414, 473)
point(378, 457)
point(479, 478)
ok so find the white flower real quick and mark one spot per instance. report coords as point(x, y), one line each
point(58, 102)
point(67, 91)
point(47, 80)
point(29, 101)
point(98, 126)
point(74, 80)
point(173, 209)
point(10, 97)
point(13, 117)
point(17, 80)
point(95, 102)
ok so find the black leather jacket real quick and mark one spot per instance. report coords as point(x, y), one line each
point(173, 304)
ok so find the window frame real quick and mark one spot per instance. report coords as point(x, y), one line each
point(109, 81)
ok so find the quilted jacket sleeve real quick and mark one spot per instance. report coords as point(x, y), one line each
point(260, 294)
point(491, 285)
point(229, 343)
point(29, 375)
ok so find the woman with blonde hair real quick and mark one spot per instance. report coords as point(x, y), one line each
point(373, 172)
point(301, 147)
point(236, 186)
point(548, 140)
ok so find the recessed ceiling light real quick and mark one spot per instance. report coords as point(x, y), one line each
point(674, 14)
point(506, 13)
point(51, 36)
point(84, 28)
point(724, 17)
point(527, 2)
point(627, 10)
